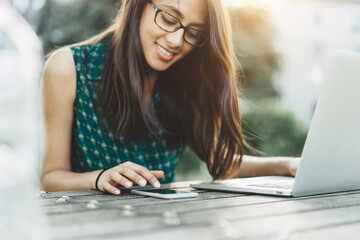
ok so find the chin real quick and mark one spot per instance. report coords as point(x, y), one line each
point(160, 67)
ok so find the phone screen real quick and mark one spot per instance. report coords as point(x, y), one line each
point(165, 193)
point(161, 191)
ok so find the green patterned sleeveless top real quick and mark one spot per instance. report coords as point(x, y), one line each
point(94, 145)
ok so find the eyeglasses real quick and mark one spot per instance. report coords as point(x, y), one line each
point(169, 23)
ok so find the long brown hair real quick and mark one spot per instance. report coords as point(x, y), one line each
point(199, 104)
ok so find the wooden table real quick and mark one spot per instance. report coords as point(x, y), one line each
point(212, 215)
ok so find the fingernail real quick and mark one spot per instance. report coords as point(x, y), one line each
point(128, 184)
point(157, 184)
point(142, 182)
point(117, 192)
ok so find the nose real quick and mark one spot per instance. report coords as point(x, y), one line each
point(175, 39)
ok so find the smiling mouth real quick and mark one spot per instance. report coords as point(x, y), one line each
point(164, 51)
point(164, 54)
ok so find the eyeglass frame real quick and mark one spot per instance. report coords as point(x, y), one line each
point(158, 10)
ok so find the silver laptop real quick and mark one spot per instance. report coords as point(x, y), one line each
point(330, 161)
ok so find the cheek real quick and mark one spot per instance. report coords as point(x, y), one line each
point(146, 43)
point(149, 35)
point(146, 29)
point(186, 50)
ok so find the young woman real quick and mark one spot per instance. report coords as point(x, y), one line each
point(120, 107)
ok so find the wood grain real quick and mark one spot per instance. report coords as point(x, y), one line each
point(213, 215)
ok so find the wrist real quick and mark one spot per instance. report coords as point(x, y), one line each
point(284, 167)
point(288, 166)
point(97, 180)
point(93, 178)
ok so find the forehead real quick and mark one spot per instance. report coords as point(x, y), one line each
point(194, 11)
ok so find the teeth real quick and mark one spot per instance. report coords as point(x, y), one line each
point(164, 51)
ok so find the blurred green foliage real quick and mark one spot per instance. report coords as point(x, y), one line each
point(61, 23)
point(254, 37)
point(64, 22)
point(273, 129)
point(191, 167)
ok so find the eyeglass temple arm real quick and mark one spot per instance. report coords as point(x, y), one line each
point(153, 5)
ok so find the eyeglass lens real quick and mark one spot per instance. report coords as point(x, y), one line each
point(172, 24)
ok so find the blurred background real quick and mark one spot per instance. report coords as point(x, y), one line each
point(282, 45)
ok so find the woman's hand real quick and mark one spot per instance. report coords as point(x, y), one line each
point(126, 174)
point(291, 166)
point(264, 166)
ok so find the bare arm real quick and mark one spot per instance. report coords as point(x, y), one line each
point(58, 95)
point(262, 166)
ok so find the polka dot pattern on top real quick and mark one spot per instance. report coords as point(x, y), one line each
point(94, 145)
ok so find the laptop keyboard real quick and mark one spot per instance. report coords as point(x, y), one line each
point(284, 185)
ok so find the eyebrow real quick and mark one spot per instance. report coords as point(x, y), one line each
point(174, 9)
point(197, 25)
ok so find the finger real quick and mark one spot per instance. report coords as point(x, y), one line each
point(110, 188)
point(157, 174)
point(148, 176)
point(145, 173)
point(118, 178)
point(130, 174)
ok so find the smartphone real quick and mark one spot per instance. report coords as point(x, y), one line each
point(165, 193)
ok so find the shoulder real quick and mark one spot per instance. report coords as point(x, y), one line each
point(60, 63)
point(59, 72)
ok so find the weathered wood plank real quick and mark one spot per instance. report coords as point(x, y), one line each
point(99, 196)
point(305, 225)
point(78, 204)
point(348, 231)
point(239, 215)
point(154, 228)
point(249, 215)
point(175, 185)
point(268, 226)
point(180, 208)
point(50, 195)
point(272, 208)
